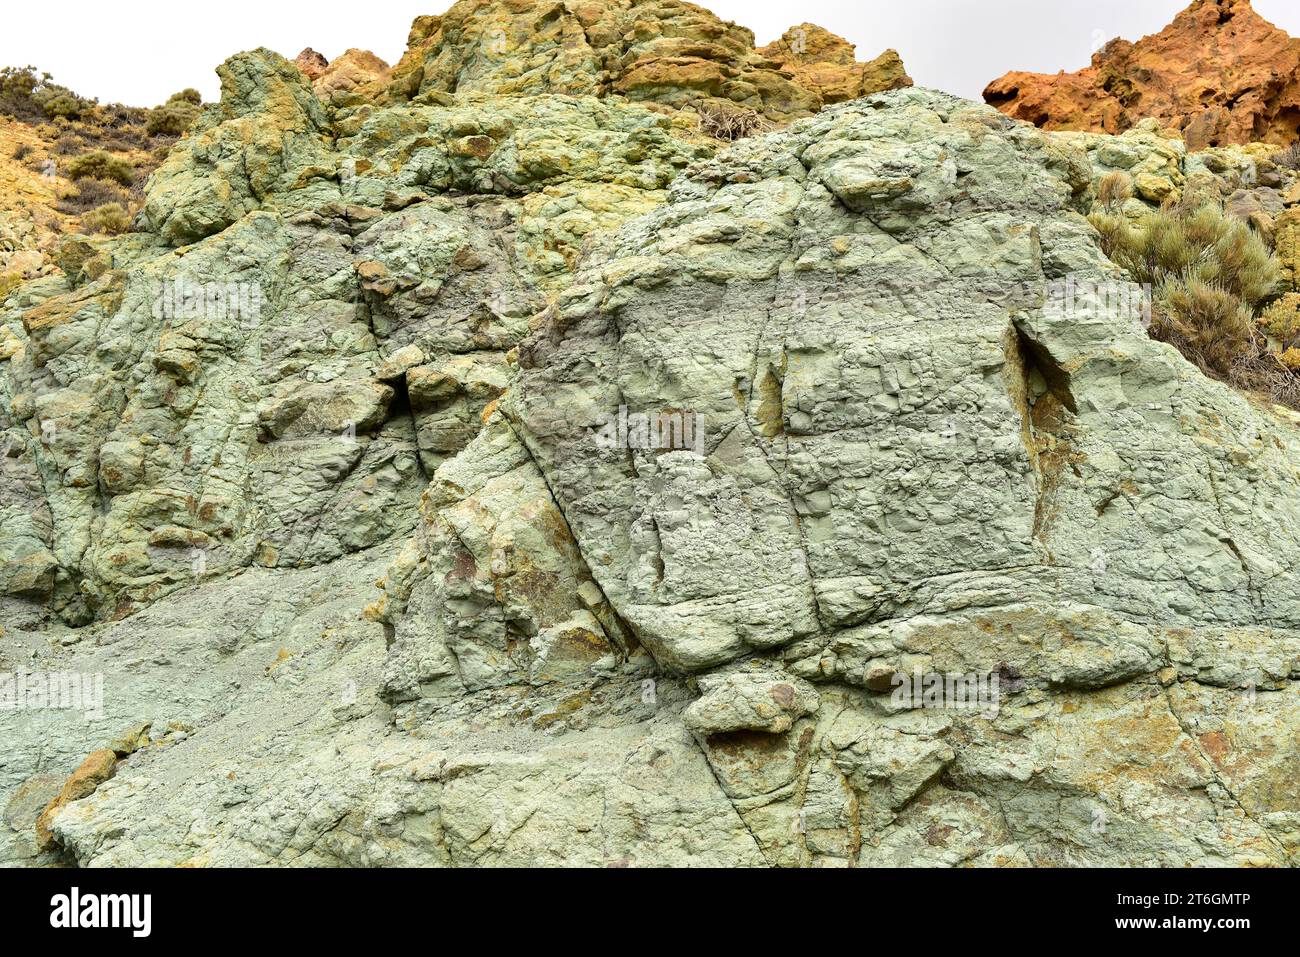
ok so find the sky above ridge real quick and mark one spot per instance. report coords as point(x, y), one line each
point(141, 51)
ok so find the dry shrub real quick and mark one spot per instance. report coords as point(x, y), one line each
point(1289, 158)
point(110, 219)
point(22, 151)
point(90, 194)
point(1115, 189)
point(69, 144)
point(1208, 324)
point(1210, 274)
point(729, 123)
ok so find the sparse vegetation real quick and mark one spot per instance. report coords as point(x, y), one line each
point(107, 150)
point(111, 219)
point(1289, 158)
point(729, 122)
point(91, 194)
point(1210, 274)
point(33, 97)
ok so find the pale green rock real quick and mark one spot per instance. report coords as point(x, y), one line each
point(367, 566)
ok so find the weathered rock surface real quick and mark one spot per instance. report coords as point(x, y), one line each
point(823, 62)
point(1220, 73)
point(151, 434)
point(345, 79)
point(368, 583)
point(661, 51)
point(310, 63)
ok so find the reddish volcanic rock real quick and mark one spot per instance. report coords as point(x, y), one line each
point(311, 63)
point(1220, 72)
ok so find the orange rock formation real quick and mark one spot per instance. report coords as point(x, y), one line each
point(1220, 72)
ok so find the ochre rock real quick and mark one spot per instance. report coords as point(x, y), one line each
point(350, 73)
point(823, 62)
point(660, 51)
point(1220, 72)
point(94, 771)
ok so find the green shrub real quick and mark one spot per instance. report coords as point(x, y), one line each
point(31, 96)
point(111, 218)
point(17, 88)
point(102, 165)
point(187, 95)
point(173, 119)
point(65, 105)
point(1281, 320)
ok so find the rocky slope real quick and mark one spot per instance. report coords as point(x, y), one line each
point(1220, 73)
point(371, 574)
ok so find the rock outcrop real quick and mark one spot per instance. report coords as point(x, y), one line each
point(823, 62)
point(659, 51)
point(346, 79)
point(284, 366)
point(512, 476)
point(310, 63)
point(1220, 73)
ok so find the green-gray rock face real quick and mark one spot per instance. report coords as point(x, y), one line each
point(509, 479)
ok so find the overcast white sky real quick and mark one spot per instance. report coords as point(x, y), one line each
point(141, 52)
